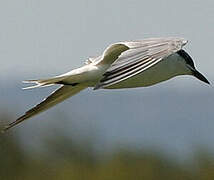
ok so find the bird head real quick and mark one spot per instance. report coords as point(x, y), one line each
point(190, 65)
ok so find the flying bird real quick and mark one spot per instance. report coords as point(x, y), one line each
point(127, 64)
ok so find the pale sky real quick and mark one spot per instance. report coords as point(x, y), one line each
point(49, 37)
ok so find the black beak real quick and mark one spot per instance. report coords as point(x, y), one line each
point(191, 66)
point(199, 76)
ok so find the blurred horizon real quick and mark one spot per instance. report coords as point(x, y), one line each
point(159, 132)
point(176, 127)
point(69, 157)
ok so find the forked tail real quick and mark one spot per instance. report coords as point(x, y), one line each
point(44, 82)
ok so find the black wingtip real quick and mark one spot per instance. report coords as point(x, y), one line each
point(5, 129)
point(12, 124)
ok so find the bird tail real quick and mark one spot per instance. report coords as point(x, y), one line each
point(44, 82)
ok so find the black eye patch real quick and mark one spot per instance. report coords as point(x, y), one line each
point(186, 57)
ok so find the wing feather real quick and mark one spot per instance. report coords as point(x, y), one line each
point(140, 56)
point(56, 97)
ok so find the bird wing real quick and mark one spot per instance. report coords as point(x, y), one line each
point(134, 57)
point(56, 97)
point(112, 53)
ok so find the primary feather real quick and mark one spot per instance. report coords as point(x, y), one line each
point(56, 97)
point(137, 57)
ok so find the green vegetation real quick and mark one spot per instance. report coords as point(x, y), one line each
point(66, 159)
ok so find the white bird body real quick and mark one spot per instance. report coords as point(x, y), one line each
point(91, 74)
point(126, 64)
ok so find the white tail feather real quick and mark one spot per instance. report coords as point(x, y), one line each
point(43, 82)
point(31, 87)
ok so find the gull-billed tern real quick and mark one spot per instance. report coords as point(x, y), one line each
point(127, 64)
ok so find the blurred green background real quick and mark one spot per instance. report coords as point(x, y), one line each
point(64, 157)
point(160, 132)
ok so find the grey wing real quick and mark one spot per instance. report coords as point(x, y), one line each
point(140, 56)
